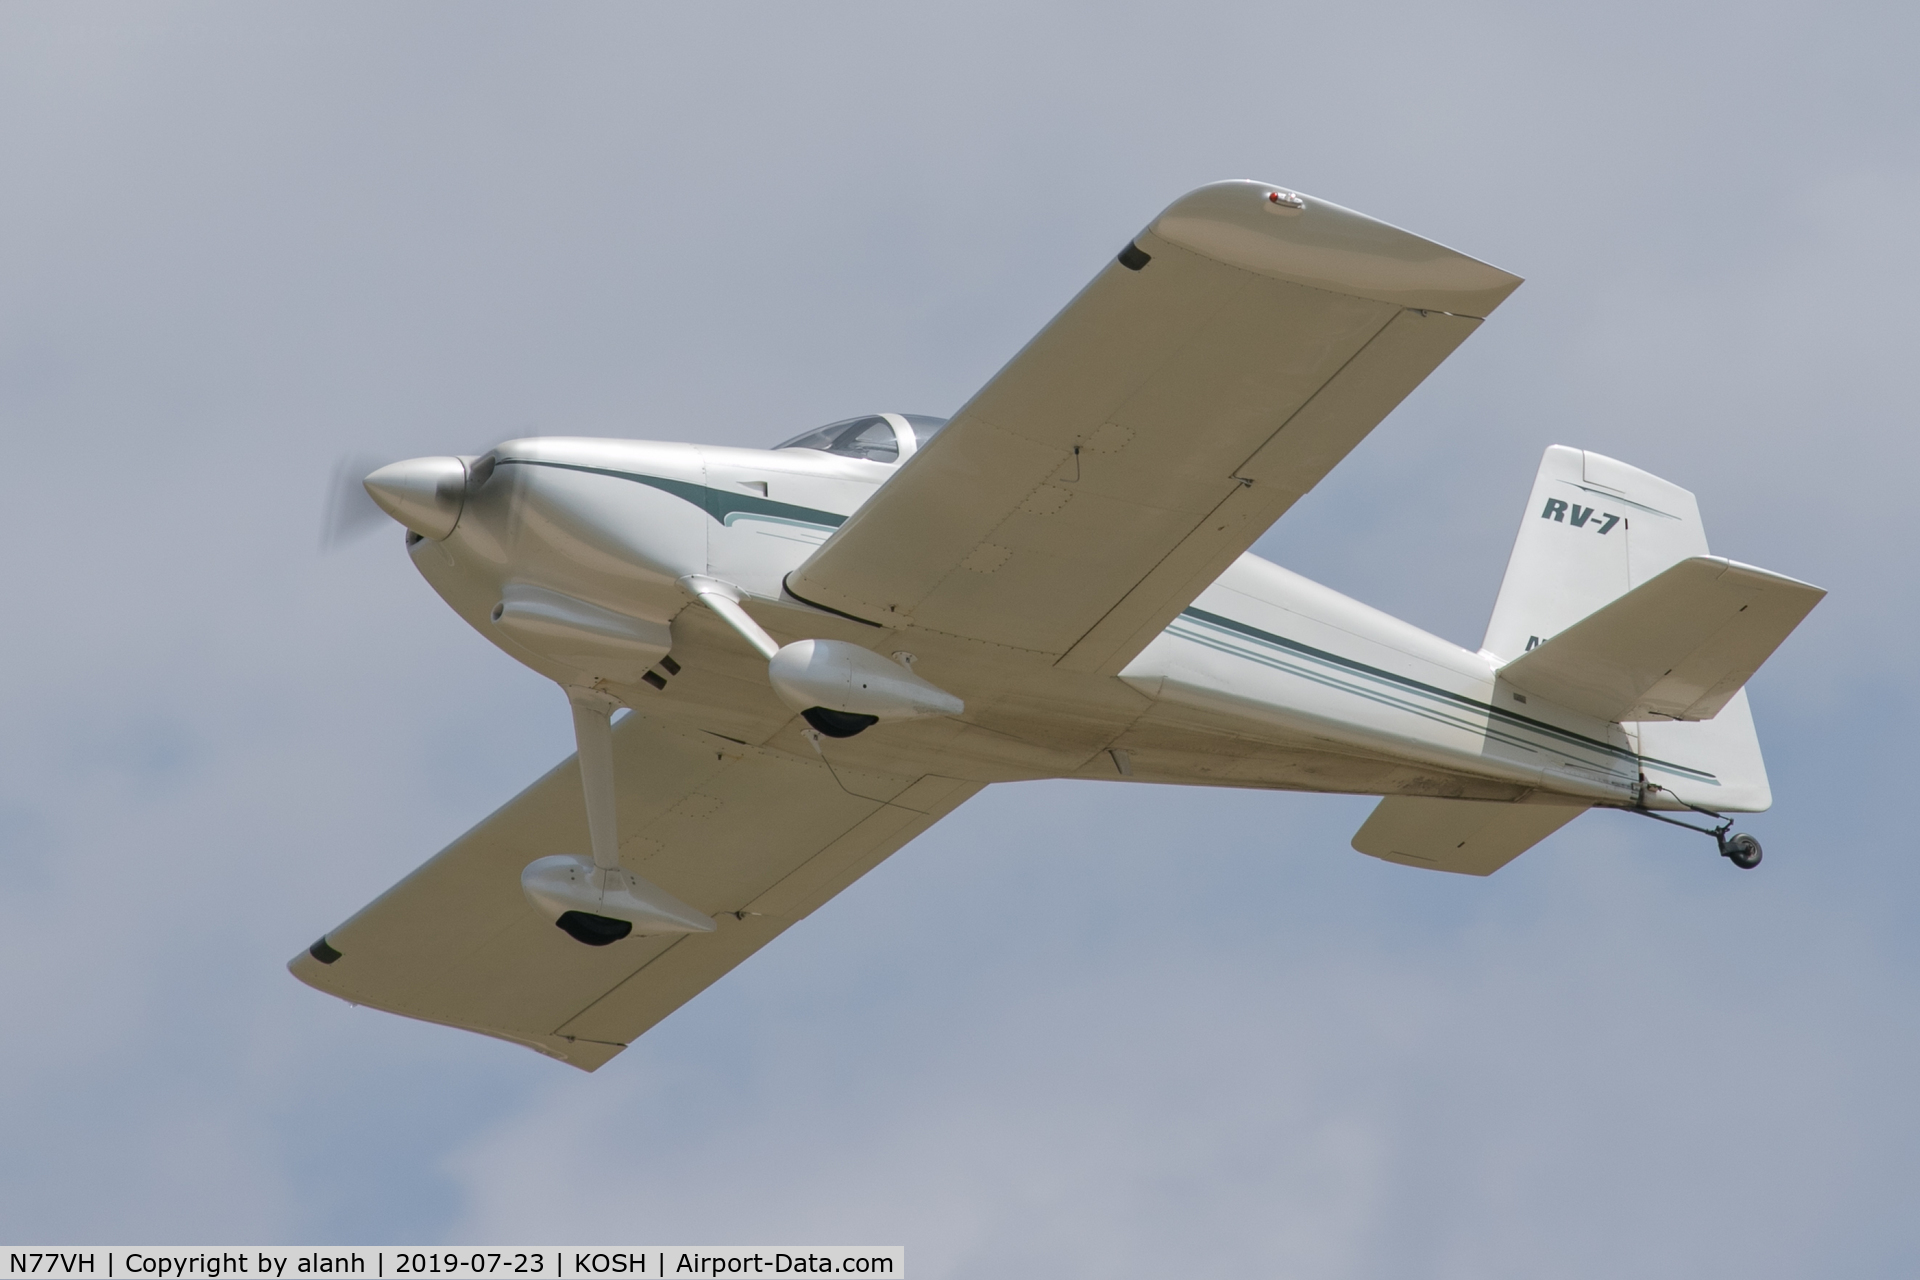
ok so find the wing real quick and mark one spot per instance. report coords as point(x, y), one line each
point(1203, 382)
point(758, 838)
point(1471, 837)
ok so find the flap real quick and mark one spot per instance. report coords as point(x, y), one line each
point(1156, 427)
point(1676, 647)
point(1471, 837)
point(756, 838)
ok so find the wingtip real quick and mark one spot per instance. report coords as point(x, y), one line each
point(1290, 235)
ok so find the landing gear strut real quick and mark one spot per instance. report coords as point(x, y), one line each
point(1741, 849)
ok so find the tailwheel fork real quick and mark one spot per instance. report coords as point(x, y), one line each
point(1741, 849)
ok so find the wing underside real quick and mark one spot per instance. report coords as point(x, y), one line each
point(758, 838)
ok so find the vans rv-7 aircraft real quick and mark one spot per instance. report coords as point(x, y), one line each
point(828, 646)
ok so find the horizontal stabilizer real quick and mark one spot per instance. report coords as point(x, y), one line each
point(1471, 837)
point(1676, 647)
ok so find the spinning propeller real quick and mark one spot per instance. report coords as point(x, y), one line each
point(423, 494)
point(350, 512)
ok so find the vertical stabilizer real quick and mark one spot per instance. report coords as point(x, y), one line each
point(1593, 530)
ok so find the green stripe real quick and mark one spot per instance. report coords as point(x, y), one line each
point(1414, 704)
point(714, 502)
point(1434, 691)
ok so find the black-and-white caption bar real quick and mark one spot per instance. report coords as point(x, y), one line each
point(550, 1262)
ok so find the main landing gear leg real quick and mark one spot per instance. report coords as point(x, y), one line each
point(595, 900)
point(1742, 850)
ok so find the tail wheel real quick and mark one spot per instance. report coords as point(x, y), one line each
point(1743, 851)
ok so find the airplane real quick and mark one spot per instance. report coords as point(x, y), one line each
point(784, 664)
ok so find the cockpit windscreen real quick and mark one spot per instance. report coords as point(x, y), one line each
point(871, 437)
point(924, 428)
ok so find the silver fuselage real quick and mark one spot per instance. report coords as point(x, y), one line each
point(1267, 680)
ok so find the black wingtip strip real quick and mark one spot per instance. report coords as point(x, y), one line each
point(1133, 257)
point(323, 952)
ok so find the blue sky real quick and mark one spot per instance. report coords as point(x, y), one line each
point(1077, 1029)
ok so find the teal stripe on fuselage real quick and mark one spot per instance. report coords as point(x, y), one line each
point(1388, 688)
point(714, 502)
